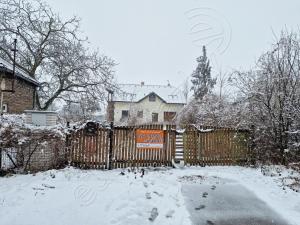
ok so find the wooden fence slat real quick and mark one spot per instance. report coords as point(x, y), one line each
point(220, 146)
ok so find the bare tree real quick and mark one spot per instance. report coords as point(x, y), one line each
point(186, 89)
point(222, 83)
point(84, 109)
point(52, 50)
point(272, 92)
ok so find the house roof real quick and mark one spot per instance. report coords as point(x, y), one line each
point(137, 92)
point(8, 67)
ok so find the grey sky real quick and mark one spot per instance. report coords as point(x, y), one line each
point(155, 40)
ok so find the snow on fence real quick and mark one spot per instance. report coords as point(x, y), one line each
point(93, 151)
point(205, 145)
point(93, 145)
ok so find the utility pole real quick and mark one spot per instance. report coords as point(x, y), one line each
point(110, 105)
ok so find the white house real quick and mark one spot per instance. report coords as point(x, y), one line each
point(140, 103)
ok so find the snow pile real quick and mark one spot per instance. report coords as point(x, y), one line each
point(292, 182)
point(289, 178)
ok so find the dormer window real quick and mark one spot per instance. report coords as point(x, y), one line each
point(152, 97)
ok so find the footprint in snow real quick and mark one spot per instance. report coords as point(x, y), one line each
point(200, 207)
point(170, 213)
point(154, 214)
point(204, 195)
point(158, 194)
point(148, 195)
point(213, 187)
point(145, 184)
point(208, 222)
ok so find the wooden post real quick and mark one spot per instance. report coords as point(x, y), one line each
point(67, 156)
point(111, 135)
point(0, 158)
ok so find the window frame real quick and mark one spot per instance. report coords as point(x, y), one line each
point(167, 116)
point(4, 107)
point(152, 97)
point(156, 116)
point(140, 114)
point(122, 115)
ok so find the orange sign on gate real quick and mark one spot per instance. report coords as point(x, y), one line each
point(149, 139)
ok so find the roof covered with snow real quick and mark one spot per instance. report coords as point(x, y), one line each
point(136, 92)
point(6, 66)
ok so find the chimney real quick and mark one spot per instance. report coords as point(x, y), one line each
point(142, 83)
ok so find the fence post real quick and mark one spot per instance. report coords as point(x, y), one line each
point(0, 158)
point(67, 156)
point(111, 135)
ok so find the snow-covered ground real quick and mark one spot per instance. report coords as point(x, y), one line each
point(73, 196)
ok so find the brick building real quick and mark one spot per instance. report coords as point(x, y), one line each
point(23, 96)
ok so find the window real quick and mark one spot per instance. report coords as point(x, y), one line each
point(125, 114)
point(4, 108)
point(169, 116)
point(152, 97)
point(154, 117)
point(140, 114)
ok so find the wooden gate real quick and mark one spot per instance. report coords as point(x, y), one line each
point(205, 145)
point(89, 150)
point(93, 150)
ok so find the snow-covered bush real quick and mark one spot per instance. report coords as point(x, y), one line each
point(37, 147)
point(214, 111)
point(272, 93)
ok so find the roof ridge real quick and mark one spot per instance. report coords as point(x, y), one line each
point(135, 92)
point(149, 85)
point(19, 72)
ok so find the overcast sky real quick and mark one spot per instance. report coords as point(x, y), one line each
point(159, 40)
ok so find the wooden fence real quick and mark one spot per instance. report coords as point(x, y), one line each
point(93, 151)
point(205, 145)
point(116, 147)
point(89, 151)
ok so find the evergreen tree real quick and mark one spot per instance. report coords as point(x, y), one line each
point(202, 83)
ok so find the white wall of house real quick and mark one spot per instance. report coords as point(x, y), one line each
point(148, 107)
